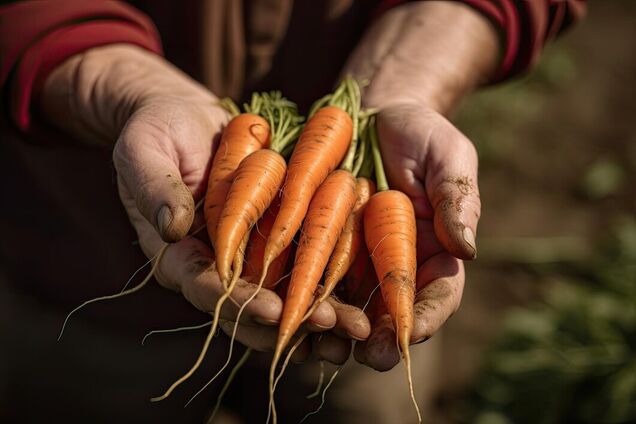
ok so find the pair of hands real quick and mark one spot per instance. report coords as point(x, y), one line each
point(166, 126)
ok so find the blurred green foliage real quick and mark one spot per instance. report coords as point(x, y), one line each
point(572, 357)
point(603, 178)
point(491, 117)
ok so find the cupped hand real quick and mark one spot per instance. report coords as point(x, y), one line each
point(162, 127)
point(431, 161)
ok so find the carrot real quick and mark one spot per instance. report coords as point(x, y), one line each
point(256, 184)
point(244, 134)
point(257, 181)
point(357, 273)
point(325, 220)
point(256, 247)
point(348, 245)
point(322, 145)
point(390, 234)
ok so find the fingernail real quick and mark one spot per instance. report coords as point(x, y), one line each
point(420, 340)
point(322, 327)
point(469, 238)
point(164, 219)
point(263, 321)
point(352, 337)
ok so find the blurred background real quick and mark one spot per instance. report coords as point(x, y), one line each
point(547, 328)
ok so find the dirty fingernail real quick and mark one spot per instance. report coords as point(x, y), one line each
point(263, 321)
point(469, 238)
point(354, 337)
point(164, 219)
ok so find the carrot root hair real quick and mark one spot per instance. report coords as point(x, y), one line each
point(321, 380)
point(273, 382)
point(238, 265)
point(227, 384)
point(174, 330)
point(157, 260)
point(409, 377)
point(324, 394)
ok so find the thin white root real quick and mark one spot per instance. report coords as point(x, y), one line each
point(238, 268)
point(370, 297)
point(175, 330)
point(132, 277)
point(288, 358)
point(324, 393)
point(206, 344)
point(120, 294)
point(407, 366)
point(321, 380)
point(233, 337)
point(227, 384)
point(273, 382)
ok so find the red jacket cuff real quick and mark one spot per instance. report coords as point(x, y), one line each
point(525, 27)
point(35, 37)
point(42, 57)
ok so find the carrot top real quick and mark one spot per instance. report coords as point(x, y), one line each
point(283, 118)
point(380, 176)
point(281, 114)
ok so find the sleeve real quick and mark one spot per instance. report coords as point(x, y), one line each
point(36, 36)
point(525, 27)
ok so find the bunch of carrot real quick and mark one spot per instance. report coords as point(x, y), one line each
point(312, 184)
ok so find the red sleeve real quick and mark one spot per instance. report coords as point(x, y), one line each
point(36, 36)
point(525, 26)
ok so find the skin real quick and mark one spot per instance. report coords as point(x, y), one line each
point(420, 60)
point(441, 51)
point(162, 127)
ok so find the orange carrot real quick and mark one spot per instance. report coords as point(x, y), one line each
point(322, 145)
point(256, 181)
point(390, 233)
point(243, 135)
point(325, 220)
point(348, 243)
point(256, 247)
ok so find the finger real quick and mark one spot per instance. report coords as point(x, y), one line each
point(329, 347)
point(351, 322)
point(263, 339)
point(148, 169)
point(440, 283)
point(188, 267)
point(451, 183)
point(323, 318)
point(381, 351)
point(360, 352)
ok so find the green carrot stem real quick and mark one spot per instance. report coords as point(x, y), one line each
point(380, 176)
point(229, 105)
point(318, 104)
point(362, 151)
point(353, 92)
point(283, 119)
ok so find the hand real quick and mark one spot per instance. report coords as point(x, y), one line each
point(163, 126)
point(420, 60)
point(431, 161)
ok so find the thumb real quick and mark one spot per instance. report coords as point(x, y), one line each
point(451, 183)
point(146, 162)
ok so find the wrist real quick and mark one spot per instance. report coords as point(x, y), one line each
point(93, 94)
point(427, 53)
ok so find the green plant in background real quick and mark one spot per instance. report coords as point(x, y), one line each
point(519, 101)
point(572, 358)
